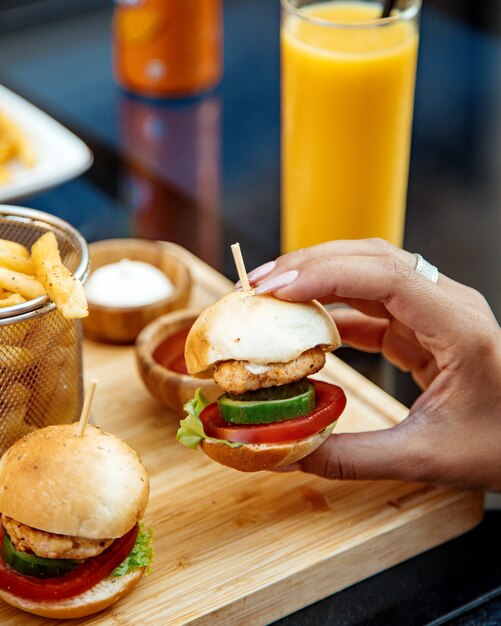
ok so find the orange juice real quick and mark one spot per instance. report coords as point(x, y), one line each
point(347, 102)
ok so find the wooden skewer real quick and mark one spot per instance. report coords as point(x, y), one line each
point(84, 417)
point(239, 262)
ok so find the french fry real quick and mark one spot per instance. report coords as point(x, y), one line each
point(12, 247)
point(17, 263)
point(5, 174)
point(62, 404)
point(15, 359)
point(16, 282)
point(18, 333)
point(21, 148)
point(6, 150)
point(14, 412)
point(11, 300)
point(61, 286)
point(19, 394)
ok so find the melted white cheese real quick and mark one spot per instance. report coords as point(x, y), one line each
point(256, 368)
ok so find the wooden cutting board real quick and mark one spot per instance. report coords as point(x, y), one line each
point(246, 549)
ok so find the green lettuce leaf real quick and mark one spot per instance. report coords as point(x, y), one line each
point(141, 556)
point(191, 430)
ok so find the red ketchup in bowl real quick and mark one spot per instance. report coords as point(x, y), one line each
point(170, 352)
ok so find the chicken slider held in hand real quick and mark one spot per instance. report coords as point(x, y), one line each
point(260, 351)
point(70, 505)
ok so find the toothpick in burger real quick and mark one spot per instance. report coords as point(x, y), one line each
point(261, 351)
point(71, 541)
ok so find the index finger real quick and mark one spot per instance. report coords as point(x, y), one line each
point(421, 305)
point(373, 246)
point(340, 247)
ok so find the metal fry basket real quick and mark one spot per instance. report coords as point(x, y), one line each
point(40, 351)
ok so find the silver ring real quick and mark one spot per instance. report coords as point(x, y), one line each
point(426, 269)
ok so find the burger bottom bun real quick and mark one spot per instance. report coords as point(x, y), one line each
point(91, 601)
point(252, 457)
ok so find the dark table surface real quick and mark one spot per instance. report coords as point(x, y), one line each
point(205, 173)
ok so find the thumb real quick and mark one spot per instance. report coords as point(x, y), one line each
point(392, 454)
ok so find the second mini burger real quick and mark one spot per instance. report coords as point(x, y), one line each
point(261, 351)
point(70, 533)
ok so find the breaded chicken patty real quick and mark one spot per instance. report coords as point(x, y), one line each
point(235, 377)
point(50, 545)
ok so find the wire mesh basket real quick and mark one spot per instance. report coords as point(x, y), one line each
point(40, 351)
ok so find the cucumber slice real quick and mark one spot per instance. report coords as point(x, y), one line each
point(266, 411)
point(33, 565)
point(279, 392)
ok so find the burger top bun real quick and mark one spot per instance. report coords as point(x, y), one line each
point(93, 486)
point(259, 329)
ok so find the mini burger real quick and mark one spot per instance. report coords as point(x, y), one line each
point(71, 543)
point(260, 351)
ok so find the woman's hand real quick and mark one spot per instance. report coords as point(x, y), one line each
point(445, 335)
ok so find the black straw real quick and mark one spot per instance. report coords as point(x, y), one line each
point(388, 8)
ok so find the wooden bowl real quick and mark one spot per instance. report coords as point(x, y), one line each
point(123, 324)
point(170, 387)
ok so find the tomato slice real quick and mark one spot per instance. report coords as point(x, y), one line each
point(85, 576)
point(330, 404)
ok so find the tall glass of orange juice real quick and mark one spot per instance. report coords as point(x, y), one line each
point(347, 100)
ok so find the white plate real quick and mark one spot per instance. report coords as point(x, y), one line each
point(60, 155)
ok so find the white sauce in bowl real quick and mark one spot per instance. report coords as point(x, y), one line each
point(127, 284)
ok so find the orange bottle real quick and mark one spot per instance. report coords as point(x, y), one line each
point(165, 48)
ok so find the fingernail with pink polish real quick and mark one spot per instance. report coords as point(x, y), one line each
point(277, 282)
point(258, 273)
point(261, 271)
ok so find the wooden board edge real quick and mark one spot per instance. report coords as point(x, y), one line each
point(458, 513)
